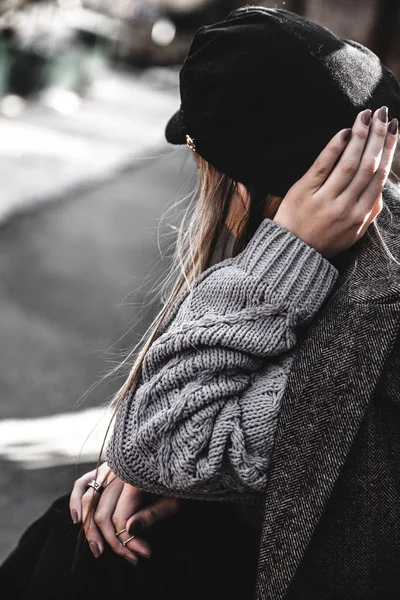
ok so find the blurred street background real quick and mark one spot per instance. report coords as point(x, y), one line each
point(87, 180)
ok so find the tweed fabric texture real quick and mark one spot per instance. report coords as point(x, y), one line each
point(332, 506)
point(356, 544)
point(200, 420)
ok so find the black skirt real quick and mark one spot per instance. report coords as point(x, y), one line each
point(204, 551)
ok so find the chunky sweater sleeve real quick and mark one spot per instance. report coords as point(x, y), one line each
point(201, 418)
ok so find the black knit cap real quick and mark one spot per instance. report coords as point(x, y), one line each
point(263, 91)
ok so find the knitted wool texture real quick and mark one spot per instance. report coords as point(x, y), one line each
point(200, 420)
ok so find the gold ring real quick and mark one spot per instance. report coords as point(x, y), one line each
point(128, 540)
point(119, 532)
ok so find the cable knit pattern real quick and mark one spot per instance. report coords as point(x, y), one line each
point(201, 418)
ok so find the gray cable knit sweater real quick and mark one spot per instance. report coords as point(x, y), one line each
point(200, 421)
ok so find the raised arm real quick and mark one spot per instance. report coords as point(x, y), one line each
point(201, 420)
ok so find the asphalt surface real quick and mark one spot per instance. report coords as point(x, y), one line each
point(120, 120)
point(75, 294)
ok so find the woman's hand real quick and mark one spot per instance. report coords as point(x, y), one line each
point(333, 204)
point(119, 507)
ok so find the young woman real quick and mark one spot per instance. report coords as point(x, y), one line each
point(260, 418)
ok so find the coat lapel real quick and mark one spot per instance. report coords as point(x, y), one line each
point(333, 378)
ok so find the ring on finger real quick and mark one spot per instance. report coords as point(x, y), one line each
point(126, 541)
point(96, 485)
point(118, 533)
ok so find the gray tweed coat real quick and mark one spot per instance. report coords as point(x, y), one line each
point(331, 523)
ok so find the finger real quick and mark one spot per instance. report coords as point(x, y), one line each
point(89, 502)
point(103, 505)
point(372, 155)
point(129, 502)
point(75, 503)
point(349, 161)
point(374, 189)
point(135, 545)
point(79, 489)
point(326, 160)
point(148, 516)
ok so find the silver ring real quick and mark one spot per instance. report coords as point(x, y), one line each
point(96, 486)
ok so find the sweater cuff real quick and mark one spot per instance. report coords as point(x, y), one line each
point(287, 266)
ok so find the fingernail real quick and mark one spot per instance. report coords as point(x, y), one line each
point(347, 134)
point(135, 527)
point(383, 114)
point(75, 518)
point(366, 117)
point(95, 549)
point(133, 561)
point(393, 126)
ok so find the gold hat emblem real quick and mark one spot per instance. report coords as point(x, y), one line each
point(190, 143)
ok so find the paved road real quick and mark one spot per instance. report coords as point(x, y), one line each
point(73, 279)
point(46, 154)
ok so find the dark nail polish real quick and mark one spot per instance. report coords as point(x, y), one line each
point(75, 518)
point(135, 527)
point(347, 134)
point(366, 117)
point(383, 114)
point(95, 549)
point(131, 560)
point(393, 127)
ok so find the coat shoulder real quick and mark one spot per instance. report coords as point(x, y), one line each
point(373, 274)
